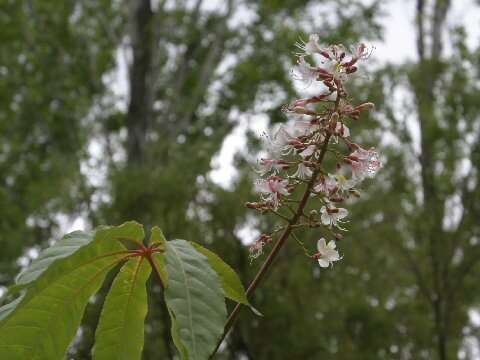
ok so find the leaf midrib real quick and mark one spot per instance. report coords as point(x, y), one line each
point(130, 294)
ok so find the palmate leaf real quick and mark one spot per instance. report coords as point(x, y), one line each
point(120, 331)
point(41, 323)
point(175, 332)
point(231, 284)
point(5, 310)
point(158, 259)
point(47, 322)
point(44, 321)
point(195, 300)
point(63, 248)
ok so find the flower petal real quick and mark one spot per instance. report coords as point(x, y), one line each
point(321, 245)
point(323, 263)
point(262, 186)
point(332, 255)
point(331, 245)
point(308, 151)
point(342, 213)
point(326, 219)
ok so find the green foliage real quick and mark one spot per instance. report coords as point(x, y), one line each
point(44, 322)
point(158, 261)
point(6, 309)
point(54, 55)
point(230, 281)
point(55, 289)
point(194, 297)
point(70, 243)
point(119, 334)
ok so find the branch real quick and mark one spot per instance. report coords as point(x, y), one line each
point(420, 30)
point(139, 108)
point(439, 15)
point(278, 245)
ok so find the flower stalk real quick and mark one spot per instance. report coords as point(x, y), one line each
point(275, 250)
point(319, 123)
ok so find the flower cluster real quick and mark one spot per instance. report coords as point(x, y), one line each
point(295, 173)
point(256, 249)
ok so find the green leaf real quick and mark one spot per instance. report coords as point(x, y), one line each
point(195, 300)
point(67, 246)
point(130, 231)
point(61, 249)
point(47, 317)
point(120, 332)
point(158, 259)
point(176, 335)
point(230, 281)
point(6, 309)
point(157, 237)
point(160, 267)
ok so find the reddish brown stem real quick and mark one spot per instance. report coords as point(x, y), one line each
point(155, 270)
point(278, 245)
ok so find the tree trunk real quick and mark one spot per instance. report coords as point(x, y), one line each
point(428, 74)
point(139, 109)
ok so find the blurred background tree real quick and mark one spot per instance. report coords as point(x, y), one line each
point(53, 57)
point(198, 71)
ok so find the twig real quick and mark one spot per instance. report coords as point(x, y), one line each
point(280, 215)
point(278, 245)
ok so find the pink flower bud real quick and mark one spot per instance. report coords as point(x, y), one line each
point(351, 69)
point(300, 103)
point(365, 106)
point(324, 54)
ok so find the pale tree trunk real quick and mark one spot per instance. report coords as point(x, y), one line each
point(140, 106)
point(430, 231)
point(139, 122)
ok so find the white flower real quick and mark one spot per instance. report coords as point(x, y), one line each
point(311, 46)
point(304, 71)
point(343, 184)
point(342, 130)
point(331, 215)
point(303, 172)
point(256, 249)
point(308, 151)
point(364, 163)
point(326, 253)
point(326, 184)
point(361, 52)
point(267, 165)
point(273, 184)
point(272, 188)
point(283, 142)
point(306, 127)
point(338, 71)
point(319, 137)
point(334, 183)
